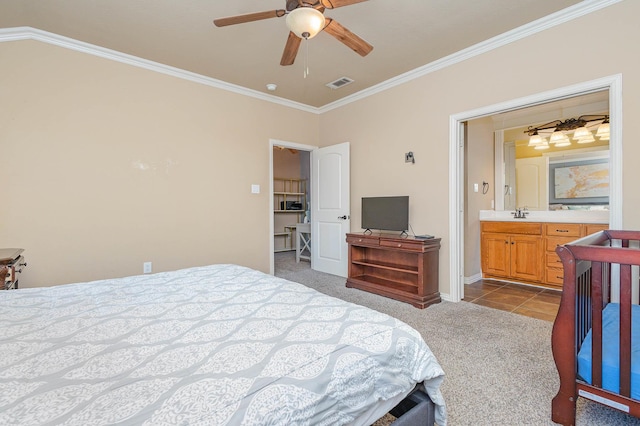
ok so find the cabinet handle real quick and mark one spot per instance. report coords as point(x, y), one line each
point(562, 230)
point(399, 245)
point(506, 242)
point(512, 243)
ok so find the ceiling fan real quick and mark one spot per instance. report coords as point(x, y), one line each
point(299, 7)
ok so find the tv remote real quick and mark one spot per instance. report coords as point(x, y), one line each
point(424, 237)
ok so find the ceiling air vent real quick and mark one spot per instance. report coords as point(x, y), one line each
point(339, 83)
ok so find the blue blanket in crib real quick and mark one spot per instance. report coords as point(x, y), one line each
point(611, 351)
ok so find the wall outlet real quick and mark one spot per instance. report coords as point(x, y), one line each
point(147, 267)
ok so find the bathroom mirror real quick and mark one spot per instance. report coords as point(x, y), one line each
point(522, 176)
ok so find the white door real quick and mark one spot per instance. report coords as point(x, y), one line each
point(532, 183)
point(330, 211)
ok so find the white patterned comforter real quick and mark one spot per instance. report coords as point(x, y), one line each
point(216, 345)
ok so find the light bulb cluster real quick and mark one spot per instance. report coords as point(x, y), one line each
point(561, 130)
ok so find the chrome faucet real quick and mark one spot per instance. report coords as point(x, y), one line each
point(520, 213)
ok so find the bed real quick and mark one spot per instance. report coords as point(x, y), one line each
point(596, 334)
point(214, 345)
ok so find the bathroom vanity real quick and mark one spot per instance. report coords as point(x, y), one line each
point(523, 249)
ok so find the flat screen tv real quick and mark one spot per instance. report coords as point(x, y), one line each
point(385, 213)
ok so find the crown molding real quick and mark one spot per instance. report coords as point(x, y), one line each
point(583, 8)
point(29, 33)
point(565, 15)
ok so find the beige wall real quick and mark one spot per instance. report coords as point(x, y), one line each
point(109, 165)
point(106, 166)
point(415, 115)
point(479, 167)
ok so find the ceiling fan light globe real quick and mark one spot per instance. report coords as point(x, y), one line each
point(305, 22)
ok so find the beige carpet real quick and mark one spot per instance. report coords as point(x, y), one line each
point(498, 365)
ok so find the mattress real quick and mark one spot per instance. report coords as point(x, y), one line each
point(214, 345)
point(611, 351)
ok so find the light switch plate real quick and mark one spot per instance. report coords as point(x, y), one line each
point(255, 189)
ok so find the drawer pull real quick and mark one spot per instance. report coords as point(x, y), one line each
point(562, 230)
point(399, 245)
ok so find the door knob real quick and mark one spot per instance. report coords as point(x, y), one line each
point(343, 217)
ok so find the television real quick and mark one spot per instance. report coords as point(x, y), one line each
point(385, 213)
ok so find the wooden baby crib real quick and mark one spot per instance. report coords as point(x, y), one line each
point(592, 335)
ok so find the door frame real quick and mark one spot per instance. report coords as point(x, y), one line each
point(286, 144)
point(611, 83)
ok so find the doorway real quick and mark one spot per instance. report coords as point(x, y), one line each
point(329, 197)
point(457, 144)
point(290, 191)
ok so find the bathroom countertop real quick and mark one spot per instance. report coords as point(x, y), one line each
point(560, 216)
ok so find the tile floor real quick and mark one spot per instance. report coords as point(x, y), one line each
point(520, 299)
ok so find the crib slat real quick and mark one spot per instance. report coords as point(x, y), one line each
point(625, 330)
point(596, 330)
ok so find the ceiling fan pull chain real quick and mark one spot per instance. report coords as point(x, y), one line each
point(306, 58)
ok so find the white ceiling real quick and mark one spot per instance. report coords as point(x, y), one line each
point(406, 35)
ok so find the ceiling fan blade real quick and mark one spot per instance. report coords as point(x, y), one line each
point(349, 39)
point(290, 49)
point(241, 19)
point(332, 4)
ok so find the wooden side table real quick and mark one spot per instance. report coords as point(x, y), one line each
point(303, 241)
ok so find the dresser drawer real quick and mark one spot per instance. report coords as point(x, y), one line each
point(563, 229)
point(363, 240)
point(592, 228)
point(553, 242)
point(528, 228)
point(403, 245)
point(553, 260)
point(555, 276)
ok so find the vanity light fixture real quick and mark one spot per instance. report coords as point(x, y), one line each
point(579, 125)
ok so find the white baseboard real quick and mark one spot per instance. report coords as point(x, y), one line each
point(473, 278)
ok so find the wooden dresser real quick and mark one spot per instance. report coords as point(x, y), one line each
point(402, 268)
point(525, 251)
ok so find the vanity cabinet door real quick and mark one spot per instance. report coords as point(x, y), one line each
point(495, 254)
point(526, 259)
point(512, 256)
